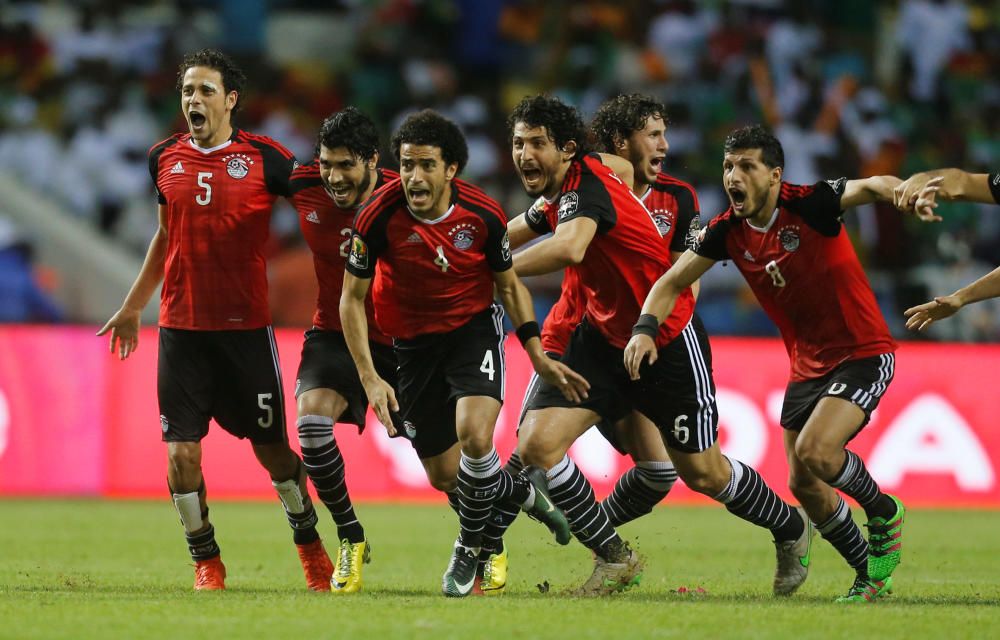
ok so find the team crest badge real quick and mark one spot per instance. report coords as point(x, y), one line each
point(237, 165)
point(410, 429)
point(359, 253)
point(164, 424)
point(568, 204)
point(789, 237)
point(663, 220)
point(463, 236)
point(505, 247)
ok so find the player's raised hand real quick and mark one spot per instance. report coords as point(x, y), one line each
point(382, 398)
point(573, 386)
point(639, 348)
point(924, 315)
point(925, 201)
point(124, 328)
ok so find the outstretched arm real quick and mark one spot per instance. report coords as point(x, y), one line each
point(124, 325)
point(921, 190)
point(922, 316)
point(868, 190)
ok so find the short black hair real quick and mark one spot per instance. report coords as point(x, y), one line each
point(562, 122)
point(428, 127)
point(619, 117)
point(232, 76)
point(757, 137)
point(351, 129)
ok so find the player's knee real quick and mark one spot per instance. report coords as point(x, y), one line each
point(816, 455)
point(321, 402)
point(476, 443)
point(184, 462)
point(442, 482)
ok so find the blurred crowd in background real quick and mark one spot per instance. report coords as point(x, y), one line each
point(851, 88)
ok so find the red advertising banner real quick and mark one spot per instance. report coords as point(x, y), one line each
point(76, 421)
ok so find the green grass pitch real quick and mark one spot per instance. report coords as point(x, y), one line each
point(119, 569)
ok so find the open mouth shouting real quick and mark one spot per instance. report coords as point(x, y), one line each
point(738, 197)
point(197, 120)
point(656, 164)
point(532, 178)
point(420, 197)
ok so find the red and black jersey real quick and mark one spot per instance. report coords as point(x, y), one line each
point(218, 212)
point(674, 206)
point(994, 181)
point(806, 275)
point(327, 230)
point(564, 315)
point(433, 275)
point(626, 256)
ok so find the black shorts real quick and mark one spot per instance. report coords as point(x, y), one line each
point(232, 376)
point(677, 392)
point(605, 427)
point(327, 364)
point(862, 382)
point(435, 370)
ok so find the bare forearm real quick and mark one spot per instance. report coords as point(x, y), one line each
point(661, 298)
point(982, 289)
point(355, 324)
point(150, 274)
point(545, 257)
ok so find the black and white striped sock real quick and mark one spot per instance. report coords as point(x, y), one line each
point(481, 484)
point(638, 490)
point(454, 500)
point(325, 467)
point(572, 493)
point(747, 496)
point(854, 480)
point(504, 512)
point(845, 535)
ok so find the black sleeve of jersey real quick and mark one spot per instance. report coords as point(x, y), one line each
point(994, 181)
point(537, 221)
point(818, 205)
point(278, 167)
point(497, 246)
point(154, 171)
point(589, 200)
point(366, 248)
point(688, 222)
point(711, 241)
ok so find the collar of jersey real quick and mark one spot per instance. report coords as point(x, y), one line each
point(441, 218)
point(215, 148)
point(766, 227)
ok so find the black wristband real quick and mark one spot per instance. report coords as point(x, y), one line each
point(527, 331)
point(647, 326)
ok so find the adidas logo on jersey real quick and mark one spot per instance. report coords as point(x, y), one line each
point(313, 217)
point(747, 256)
point(414, 238)
point(178, 168)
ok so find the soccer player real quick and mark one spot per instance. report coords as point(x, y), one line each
point(788, 242)
point(919, 193)
point(216, 185)
point(327, 193)
point(602, 229)
point(436, 246)
point(632, 127)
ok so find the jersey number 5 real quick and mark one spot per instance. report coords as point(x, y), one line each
point(776, 278)
point(204, 198)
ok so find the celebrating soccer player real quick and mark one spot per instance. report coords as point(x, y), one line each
point(602, 229)
point(436, 246)
point(218, 359)
point(327, 193)
point(632, 127)
point(788, 242)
